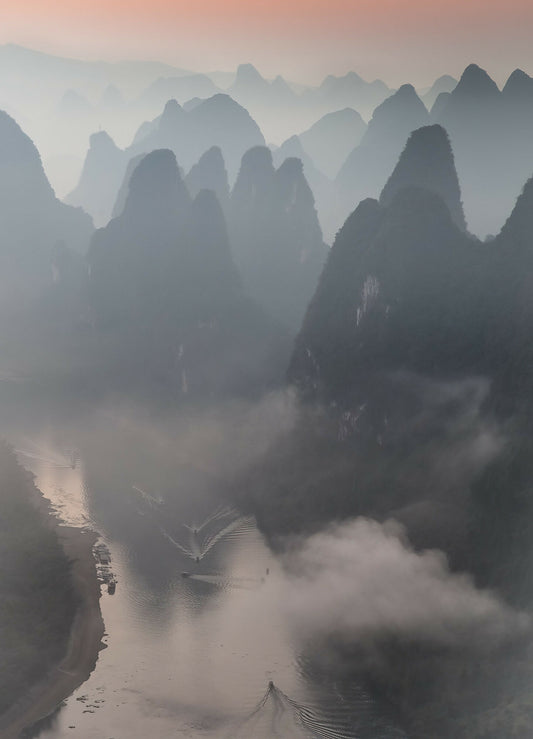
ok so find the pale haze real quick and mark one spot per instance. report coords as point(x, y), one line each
point(266, 369)
point(398, 41)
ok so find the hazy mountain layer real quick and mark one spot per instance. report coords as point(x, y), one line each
point(275, 235)
point(167, 296)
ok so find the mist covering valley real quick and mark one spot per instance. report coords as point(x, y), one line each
point(266, 395)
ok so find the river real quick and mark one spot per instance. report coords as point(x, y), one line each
point(196, 643)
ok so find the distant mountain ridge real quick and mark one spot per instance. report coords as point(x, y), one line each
point(329, 141)
point(216, 122)
point(19, 60)
point(367, 167)
point(490, 133)
point(445, 83)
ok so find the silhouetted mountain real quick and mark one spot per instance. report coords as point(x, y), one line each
point(253, 185)
point(406, 297)
point(518, 90)
point(212, 277)
point(350, 81)
point(474, 100)
point(281, 88)
point(387, 300)
point(181, 88)
point(192, 103)
point(512, 304)
point(209, 173)
point(112, 97)
point(33, 222)
point(322, 188)
point(329, 141)
point(100, 179)
point(253, 91)
point(399, 110)
point(276, 236)
point(439, 105)
point(366, 169)
point(322, 149)
point(489, 132)
point(157, 188)
point(168, 301)
point(349, 91)
point(446, 83)
point(224, 80)
point(217, 121)
point(473, 107)
point(418, 342)
point(517, 231)
point(124, 188)
point(273, 105)
point(72, 103)
point(248, 82)
point(293, 148)
point(33, 82)
point(408, 308)
point(475, 83)
point(148, 127)
point(402, 311)
point(171, 119)
point(20, 65)
point(427, 162)
point(133, 253)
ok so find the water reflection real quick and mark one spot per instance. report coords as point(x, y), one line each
point(197, 644)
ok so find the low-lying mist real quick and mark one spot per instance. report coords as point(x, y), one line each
point(362, 580)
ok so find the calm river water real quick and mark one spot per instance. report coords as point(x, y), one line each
point(196, 642)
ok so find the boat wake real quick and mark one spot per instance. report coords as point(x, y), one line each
point(225, 524)
point(277, 715)
point(152, 500)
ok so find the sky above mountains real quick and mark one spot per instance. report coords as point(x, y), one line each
point(397, 40)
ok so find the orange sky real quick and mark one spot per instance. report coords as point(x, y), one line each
point(397, 40)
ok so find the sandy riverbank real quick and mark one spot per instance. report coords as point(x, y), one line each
point(85, 639)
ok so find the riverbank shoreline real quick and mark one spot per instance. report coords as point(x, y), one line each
point(86, 633)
